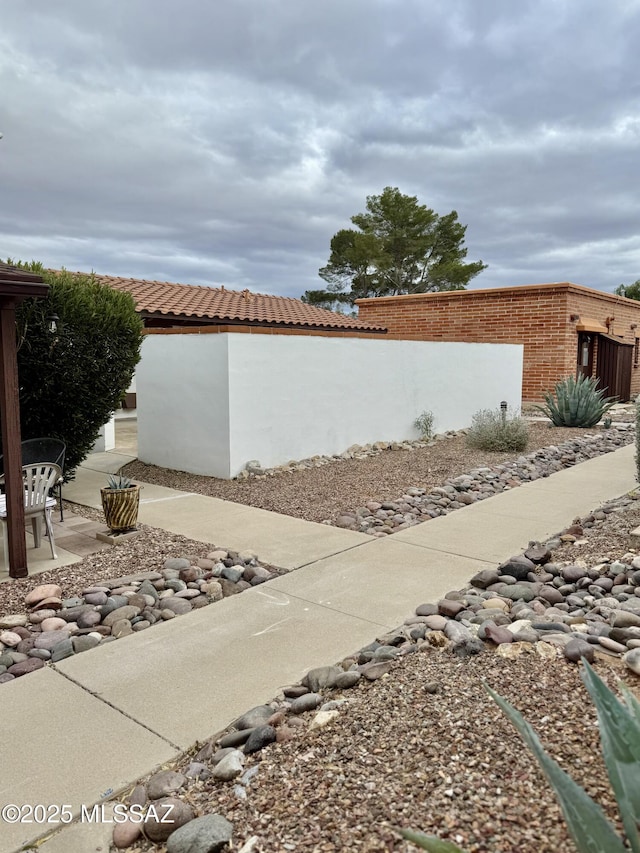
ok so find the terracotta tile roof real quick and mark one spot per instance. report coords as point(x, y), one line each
point(164, 298)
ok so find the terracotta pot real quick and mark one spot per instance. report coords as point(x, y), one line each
point(121, 507)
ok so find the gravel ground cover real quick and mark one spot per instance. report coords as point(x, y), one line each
point(316, 494)
point(147, 552)
point(424, 747)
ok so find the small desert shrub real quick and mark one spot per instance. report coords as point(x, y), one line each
point(424, 424)
point(492, 429)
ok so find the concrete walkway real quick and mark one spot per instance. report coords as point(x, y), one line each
point(75, 732)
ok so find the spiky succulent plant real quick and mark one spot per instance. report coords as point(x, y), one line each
point(118, 481)
point(576, 402)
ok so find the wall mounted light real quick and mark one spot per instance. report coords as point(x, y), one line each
point(574, 317)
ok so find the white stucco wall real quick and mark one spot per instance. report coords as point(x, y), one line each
point(209, 403)
point(183, 403)
point(106, 439)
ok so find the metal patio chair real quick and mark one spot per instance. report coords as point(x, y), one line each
point(38, 479)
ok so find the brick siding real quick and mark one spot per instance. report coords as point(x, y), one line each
point(537, 316)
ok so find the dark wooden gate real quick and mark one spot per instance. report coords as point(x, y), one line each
point(613, 367)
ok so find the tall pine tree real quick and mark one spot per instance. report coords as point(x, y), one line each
point(399, 246)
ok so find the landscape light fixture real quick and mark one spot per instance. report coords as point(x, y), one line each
point(52, 323)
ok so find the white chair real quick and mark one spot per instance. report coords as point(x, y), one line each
point(38, 478)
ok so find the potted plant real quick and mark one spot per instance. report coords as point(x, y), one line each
point(120, 500)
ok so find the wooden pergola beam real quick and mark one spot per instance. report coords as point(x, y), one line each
point(15, 286)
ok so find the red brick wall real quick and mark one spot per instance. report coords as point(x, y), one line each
point(537, 316)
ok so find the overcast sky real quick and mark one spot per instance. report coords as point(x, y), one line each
point(214, 142)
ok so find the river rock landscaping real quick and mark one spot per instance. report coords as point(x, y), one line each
point(52, 628)
point(342, 489)
point(417, 505)
point(402, 732)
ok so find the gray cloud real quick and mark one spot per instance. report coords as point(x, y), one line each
point(226, 143)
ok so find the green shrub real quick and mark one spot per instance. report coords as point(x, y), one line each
point(619, 725)
point(424, 424)
point(492, 429)
point(576, 402)
point(72, 380)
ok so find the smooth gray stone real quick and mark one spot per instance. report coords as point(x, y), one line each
point(632, 660)
point(126, 612)
point(88, 619)
point(321, 677)
point(234, 739)
point(72, 614)
point(518, 567)
point(308, 702)
point(576, 649)
point(347, 679)
point(25, 667)
point(76, 601)
point(179, 606)
point(175, 584)
point(159, 827)
point(43, 654)
point(51, 639)
point(624, 619)
point(83, 644)
point(259, 738)
point(555, 627)
point(96, 598)
point(257, 716)
point(231, 573)
point(164, 783)
point(147, 588)
point(207, 834)
point(230, 766)
point(62, 650)
point(197, 770)
point(176, 564)
point(612, 646)
point(112, 603)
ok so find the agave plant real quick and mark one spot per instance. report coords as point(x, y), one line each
point(619, 724)
point(576, 402)
point(118, 481)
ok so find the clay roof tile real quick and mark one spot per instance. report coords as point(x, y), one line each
point(220, 304)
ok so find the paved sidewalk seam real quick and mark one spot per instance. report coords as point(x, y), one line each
point(101, 698)
point(328, 556)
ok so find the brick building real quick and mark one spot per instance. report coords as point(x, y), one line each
point(565, 329)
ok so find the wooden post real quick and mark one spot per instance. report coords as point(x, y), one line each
point(10, 419)
point(16, 285)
